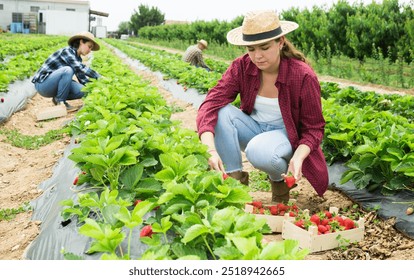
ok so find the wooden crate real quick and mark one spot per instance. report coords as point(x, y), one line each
point(275, 222)
point(310, 239)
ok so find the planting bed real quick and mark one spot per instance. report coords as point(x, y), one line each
point(22, 171)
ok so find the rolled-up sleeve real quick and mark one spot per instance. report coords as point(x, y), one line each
point(222, 94)
point(81, 70)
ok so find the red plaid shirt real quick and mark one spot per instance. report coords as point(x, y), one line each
point(299, 100)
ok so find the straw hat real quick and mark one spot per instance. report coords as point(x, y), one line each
point(260, 27)
point(87, 36)
point(203, 42)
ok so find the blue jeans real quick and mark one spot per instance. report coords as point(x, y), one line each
point(60, 85)
point(267, 147)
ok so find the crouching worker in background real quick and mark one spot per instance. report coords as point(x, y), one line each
point(55, 78)
point(279, 124)
point(194, 55)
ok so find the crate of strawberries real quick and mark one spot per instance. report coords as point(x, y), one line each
point(324, 230)
point(273, 214)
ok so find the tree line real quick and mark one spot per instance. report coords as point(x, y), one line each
point(375, 30)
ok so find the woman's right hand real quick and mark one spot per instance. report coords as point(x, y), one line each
point(215, 161)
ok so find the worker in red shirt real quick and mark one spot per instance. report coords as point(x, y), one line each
point(279, 124)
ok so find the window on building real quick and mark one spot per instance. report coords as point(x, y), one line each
point(34, 9)
point(17, 17)
point(70, 9)
point(1, 7)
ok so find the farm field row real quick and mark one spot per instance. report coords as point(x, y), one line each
point(111, 85)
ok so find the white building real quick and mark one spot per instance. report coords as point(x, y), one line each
point(57, 17)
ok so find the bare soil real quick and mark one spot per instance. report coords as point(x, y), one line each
point(23, 170)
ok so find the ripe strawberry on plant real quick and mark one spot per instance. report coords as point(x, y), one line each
point(146, 231)
point(225, 176)
point(137, 201)
point(75, 182)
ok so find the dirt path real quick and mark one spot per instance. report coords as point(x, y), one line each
point(22, 171)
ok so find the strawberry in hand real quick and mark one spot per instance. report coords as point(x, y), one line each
point(290, 180)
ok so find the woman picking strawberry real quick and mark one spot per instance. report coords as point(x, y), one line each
point(280, 124)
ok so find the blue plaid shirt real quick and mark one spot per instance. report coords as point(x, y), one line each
point(66, 56)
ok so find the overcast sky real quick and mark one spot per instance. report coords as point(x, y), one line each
point(191, 10)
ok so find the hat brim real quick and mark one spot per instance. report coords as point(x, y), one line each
point(202, 44)
point(96, 46)
point(235, 36)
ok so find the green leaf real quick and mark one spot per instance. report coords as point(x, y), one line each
point(92, 229)
point(109, 213)
point(193, 232)
point(99, 160)
point(97, 173)
point(238, 196)
point(182, 251)
point(113, 143)
point(366, 160)
point(116, 155)
point(223, 220)
point(131, 176)
point(168, 161)
point(165, 175)
point(247, 246)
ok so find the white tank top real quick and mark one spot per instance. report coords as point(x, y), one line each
point(267, 110)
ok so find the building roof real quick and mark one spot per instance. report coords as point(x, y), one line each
point(80, 2)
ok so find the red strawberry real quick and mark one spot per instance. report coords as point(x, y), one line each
point(261, 211)
point(339, 219)
point(75, 182)
point(282, 207)
point(324, 222)
point(300, 223)
point(292, 214)
point(315, 219)
point(328, 214)
point(290, 180)
point(273, 210)
point(2, 100)
point(225, 176)
point(257, 204)
point(349, 224)
point(146, 231)
point(322, 228)
point(137, 201)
